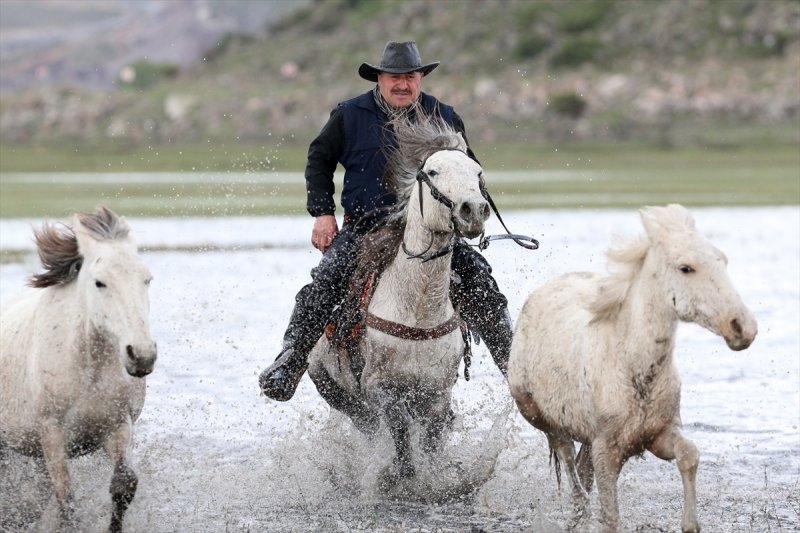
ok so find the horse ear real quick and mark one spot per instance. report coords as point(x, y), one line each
point(123, 228)
point(123, 232)
point(462, 144)
point(83, 235)
point(103, 225)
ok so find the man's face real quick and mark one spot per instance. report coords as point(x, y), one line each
point(400, 90)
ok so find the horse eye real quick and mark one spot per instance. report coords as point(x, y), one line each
point(147, 281)
point(99, 284)
point(686, 269)
point(432, 173)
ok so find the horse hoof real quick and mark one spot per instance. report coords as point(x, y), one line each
point(393, 474)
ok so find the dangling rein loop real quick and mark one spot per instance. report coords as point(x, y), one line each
point(523, 240)
point(532, 243)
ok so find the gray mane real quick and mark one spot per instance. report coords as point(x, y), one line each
point(58, 246)
point(104, 224)
point(414, 143)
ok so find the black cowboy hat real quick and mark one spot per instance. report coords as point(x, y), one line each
point(398, 58)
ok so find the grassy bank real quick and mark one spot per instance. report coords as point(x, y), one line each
point(219, 180)
point(197, 157)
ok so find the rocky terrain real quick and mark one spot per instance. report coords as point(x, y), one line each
point(674, 71)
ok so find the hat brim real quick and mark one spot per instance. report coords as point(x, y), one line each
point(370, 72)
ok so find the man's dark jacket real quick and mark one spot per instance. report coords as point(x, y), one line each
point(356, 135)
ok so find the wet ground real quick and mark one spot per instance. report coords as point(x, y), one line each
point(213, 455)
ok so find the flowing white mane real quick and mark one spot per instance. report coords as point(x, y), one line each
point(625, 259)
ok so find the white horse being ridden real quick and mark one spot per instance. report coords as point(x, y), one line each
point(406, 362)
point(591, 360)
point(75, 351)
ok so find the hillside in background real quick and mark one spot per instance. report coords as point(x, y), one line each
point(88, 42)
point(668, 72)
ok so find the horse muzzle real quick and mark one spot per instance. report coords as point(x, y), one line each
point(739, 333)
point(140, 360)
point(470, 216)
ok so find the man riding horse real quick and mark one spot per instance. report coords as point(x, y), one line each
point(357, 136)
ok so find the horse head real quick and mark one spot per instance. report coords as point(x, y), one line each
point(695, 276)
point(114, 282)
point(454, 181)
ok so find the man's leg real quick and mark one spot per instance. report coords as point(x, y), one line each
point(482, 304)
point(313, 306)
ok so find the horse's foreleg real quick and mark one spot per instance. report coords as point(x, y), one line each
point(402, 444)
point(124, 480)
point(438, 417)
point(671, 444)
point(56, 460)
point(363, 417)
point(608, 461)
point(397, 419)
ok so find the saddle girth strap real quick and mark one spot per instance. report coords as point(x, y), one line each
point(415, 334)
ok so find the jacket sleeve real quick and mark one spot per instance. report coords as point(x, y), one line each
point(323, 156)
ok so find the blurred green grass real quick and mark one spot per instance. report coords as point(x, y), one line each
point(218, 180)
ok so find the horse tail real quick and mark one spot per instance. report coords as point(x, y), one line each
point(554, 462)
point(585, 466)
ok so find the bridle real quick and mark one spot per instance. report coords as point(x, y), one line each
point(483, 242)
point(439, 196)
point(456, 321)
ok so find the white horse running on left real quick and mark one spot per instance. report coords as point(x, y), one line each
point(74, 353)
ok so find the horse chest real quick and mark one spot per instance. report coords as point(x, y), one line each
point(85, 394)
point(428, 361)
point(407, 303)
point(638, 410)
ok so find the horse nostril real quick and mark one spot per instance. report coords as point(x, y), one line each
point(466, 210)
point(485, 211)
point(129, 351)
point(736, 327)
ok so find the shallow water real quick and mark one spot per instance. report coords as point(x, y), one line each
point(213, 455)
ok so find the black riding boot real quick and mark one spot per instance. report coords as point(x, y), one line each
point(280, 380)
point(313, 306)
point(482, 304)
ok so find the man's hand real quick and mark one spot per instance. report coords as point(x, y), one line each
point(325, 229)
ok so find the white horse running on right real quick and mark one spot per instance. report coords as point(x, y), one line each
point(592, 357)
